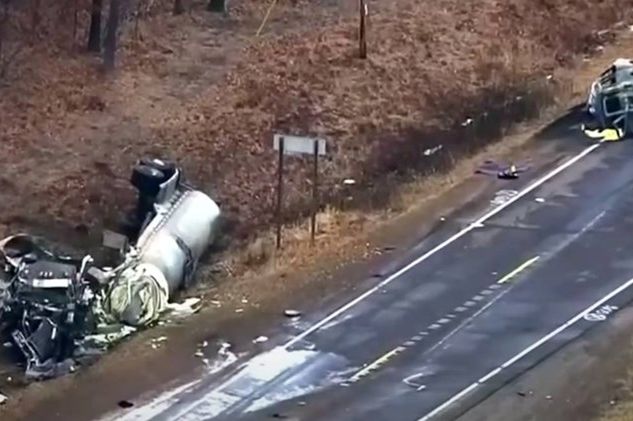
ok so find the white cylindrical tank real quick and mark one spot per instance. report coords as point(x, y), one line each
point(178, 235)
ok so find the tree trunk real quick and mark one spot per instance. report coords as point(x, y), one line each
point(94, 36)
point(217, 5)
point(36, 18)
point(178, 7)
point(110, 47)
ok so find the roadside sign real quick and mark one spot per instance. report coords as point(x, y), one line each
point(298, 145)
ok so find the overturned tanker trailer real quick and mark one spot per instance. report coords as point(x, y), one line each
point(55, 308)
point(173, 226)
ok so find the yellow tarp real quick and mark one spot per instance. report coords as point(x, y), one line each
point(606, 135)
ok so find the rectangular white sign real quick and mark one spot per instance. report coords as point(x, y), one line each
point(296, 145)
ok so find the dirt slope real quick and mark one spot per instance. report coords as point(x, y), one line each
point(202, 90)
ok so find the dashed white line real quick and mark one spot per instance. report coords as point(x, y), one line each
point(527, 350)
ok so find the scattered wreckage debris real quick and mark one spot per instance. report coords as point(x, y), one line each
point(291, 313)
point(502, 171)
point(60, 310)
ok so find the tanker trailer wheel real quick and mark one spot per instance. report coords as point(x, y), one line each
point(166, 167)
point(147, 179)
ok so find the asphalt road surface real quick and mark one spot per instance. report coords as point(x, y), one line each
point(481, 300)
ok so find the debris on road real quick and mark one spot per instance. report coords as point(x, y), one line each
point(260, 339)
point(539, 200)
point(433, 150)
point(501, 170)
point(60, 310)
point(292, 313)
point(155, 342)
point(509, 173)
point(125, 404)
point(3, 399)
point(185, 309)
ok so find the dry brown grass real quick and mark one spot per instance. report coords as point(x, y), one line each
point(431, 65)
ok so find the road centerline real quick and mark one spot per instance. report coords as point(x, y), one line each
point(477, 223)
point(487, 377)
point(518, 270)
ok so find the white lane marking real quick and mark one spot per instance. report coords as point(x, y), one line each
point(467, 321)
point(341, 310)
point(518, 270)
point(470, 303)
point(368, 369)
point(527, 350)
point(417, 386)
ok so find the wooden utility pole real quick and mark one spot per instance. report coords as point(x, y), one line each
point(362, 32)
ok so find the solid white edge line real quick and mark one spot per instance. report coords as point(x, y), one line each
point(527, 350)
point(441, 246)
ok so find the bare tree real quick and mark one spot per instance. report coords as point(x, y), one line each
point(178, 7)
point(36, 17)
point(110, 46)
point(217, 5)
point(94, 35)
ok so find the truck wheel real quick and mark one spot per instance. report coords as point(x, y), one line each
point(166, 167)
point(147, 179)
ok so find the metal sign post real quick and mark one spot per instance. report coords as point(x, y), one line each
point(280, 183)
point(295, 145)
point(315, 192)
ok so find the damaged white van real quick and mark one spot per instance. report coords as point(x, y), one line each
point(610, 101)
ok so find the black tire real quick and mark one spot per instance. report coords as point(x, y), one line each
point(166, 167)
point(147, 179)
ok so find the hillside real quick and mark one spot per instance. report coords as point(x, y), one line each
point(201, 89)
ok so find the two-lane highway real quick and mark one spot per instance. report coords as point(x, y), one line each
point(476, 304)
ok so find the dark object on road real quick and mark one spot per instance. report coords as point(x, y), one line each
point(501, 170)
point(125, 404)
point(509, 173)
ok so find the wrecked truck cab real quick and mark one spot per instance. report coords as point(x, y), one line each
point(610, 100)
point(60, 310)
